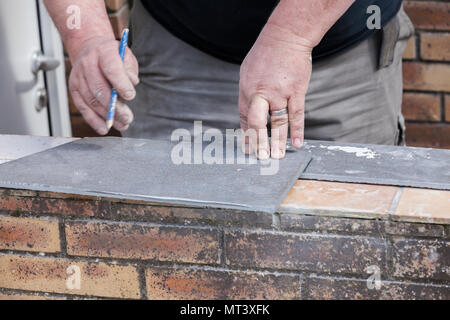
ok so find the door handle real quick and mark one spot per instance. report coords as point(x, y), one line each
point(44, 63)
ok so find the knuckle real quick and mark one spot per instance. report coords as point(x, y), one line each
point(279, 121)
point(92, 101)
point(256, 122)
point(297, 113)
point(296, 124)
point(109, 68)
point(100, 92)
point(243, 114)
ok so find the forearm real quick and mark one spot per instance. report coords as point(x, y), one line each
point(305, 20)
point(94, 22)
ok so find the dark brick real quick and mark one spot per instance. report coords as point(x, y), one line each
point(414, 229)
point(196, 284)
point(421, 259)
point(137, 241)
point(294, 222)
point(192, 216)
point(319, 288)
point(430, 15)
point(42, 205)
point(322, 253)
point(428, 135)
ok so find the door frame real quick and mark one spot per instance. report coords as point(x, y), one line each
point(58, 103)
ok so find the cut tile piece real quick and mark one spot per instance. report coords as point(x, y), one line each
point(424, 205)
point(378, 164)
point(351, 198)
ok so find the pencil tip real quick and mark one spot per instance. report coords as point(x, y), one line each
point(109, 124)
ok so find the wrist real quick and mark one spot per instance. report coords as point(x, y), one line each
point(274, 32)
point(305, 20)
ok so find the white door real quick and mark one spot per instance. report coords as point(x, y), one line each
point(33, 99)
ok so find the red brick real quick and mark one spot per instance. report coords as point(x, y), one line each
point(428, 135)
point(435, 46)
point(321, 253)
point(421, 107)
point(50, 275)
point(430, 15)
point(137, 241)
point(29, 234)
point(323, 288)
point(410, 50)
point(195, 284)
point(422, 76)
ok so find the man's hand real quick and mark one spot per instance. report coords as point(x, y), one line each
point(96, 64)
point(94, 70)
point(274, 76)
point(276, 72)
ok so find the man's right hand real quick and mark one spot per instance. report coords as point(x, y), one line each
point(95, 68)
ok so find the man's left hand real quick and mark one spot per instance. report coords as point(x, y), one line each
point(275, 75)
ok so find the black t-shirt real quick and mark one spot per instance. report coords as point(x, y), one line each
point(227, 29)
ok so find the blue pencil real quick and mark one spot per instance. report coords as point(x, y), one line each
point(113, 101)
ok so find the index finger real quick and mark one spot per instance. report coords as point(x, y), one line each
point(114, 71)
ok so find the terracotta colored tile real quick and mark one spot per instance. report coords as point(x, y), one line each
point(339, 197)
point(424, 205)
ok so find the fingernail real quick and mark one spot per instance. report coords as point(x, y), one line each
point(102, 131)
point(130, 94)
point(123, 128)
point(276, 154)
point(297, 143)
point(263, 155)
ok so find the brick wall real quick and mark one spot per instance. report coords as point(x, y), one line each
point(139, 250)
point(426, 103)
point(426, 74)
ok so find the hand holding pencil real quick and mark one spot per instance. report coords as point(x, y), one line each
point(114, 95)
point(96, 69)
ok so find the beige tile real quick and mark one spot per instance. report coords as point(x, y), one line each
point(424, 205)
point(340, 198)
